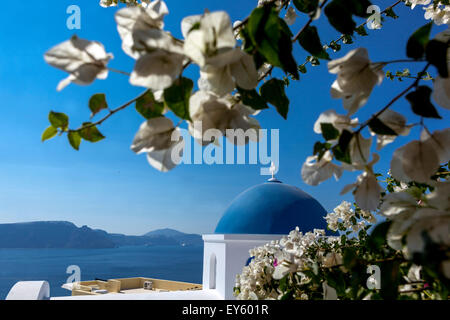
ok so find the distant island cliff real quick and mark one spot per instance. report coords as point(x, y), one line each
point(64, 234)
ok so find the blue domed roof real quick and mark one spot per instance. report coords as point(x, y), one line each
point(272, 208)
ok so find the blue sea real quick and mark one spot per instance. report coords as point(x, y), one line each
point(161, 262)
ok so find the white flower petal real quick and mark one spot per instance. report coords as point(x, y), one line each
point(217, 80)
point(339, 122)
point(153, 135)
point(417, 161)
point(368, 192)
point(441, 92)
point(440, 142)
point(163, 160)
point(315, 171)
point(360, 149)
point(244, 72)
point(85, 60)
point(157, 70)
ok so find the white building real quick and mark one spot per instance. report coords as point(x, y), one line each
point(258, 215)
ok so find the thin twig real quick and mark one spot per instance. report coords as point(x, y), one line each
point(401, 94)
point(361, 25)
point(119, 71)
point(111, 112)
point(308, 23)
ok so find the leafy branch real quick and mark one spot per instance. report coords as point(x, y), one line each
point(401, 94)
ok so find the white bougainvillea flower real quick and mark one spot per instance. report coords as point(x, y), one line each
point(332, 259)
point(398, 203)
point(434, 223)
point(240, 119)
point(411, 219)
point(350, 102)
point(160, 140)
point(152, 39)
point(441, 92)
point(209, 111)
point(315, 171)
point(415, 161)
point(439, 140)
point(188, 23)
point(440, 14)
point(440, 197)
point(217, 80)
point(360, 151)
point(153, 135)
point(329, 293)
point(367, 191)
point(167, 159)
point(290, 16)
point(160, 61)
point(339, 122)
point(108, 3)
point(283, 269)
point(85, 61)
point(237, 27)
point(129, 3)
point(223, 79)
point(213, 34)
point(414, 3)
point(394, 121)
point(244, 71)
point(356, 78)
point(157, 69)
point(130, 20)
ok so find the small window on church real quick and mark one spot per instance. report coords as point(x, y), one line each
point(212, 271)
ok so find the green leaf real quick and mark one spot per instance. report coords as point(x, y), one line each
point(306, 6)
point(58, 120)
point(347, 39)
point(177, 97)
point(349, 257)
point(341, 151)
point(320, 149)
point(310, 41)
point(361, 31)
point(340, 14)
point(302, 68)
point(74, 139)
point(49, 133)
point(436, 54)
point(148, 107)
point(90, 133)
point(340, 17)
point(390, 13)
point(97, 103)
point(378, 236)
point(421, 104)
point(377, 126)
point(415, 48)
point(288, 295)
point(335, 46)
point(358, 7)
point(328, 131)
point(390, 279)
point(336, 280)
point(273, 92)
point(271, 38)
point(252, 99)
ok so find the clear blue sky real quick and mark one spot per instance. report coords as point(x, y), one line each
point(105, 185)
